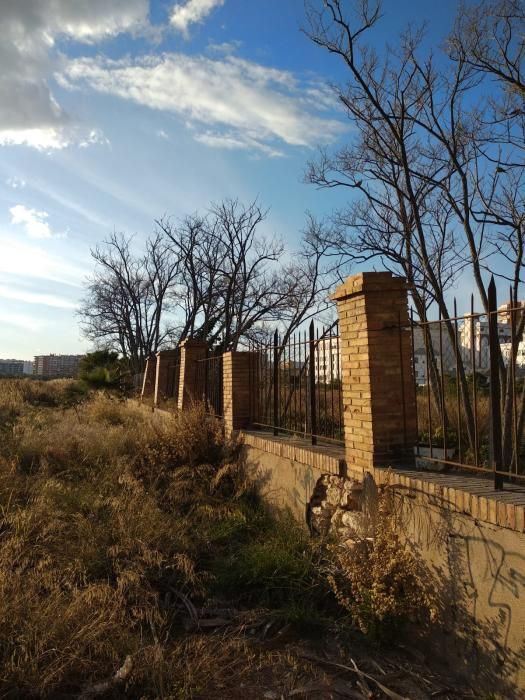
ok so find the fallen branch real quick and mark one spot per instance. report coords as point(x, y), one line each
point(104, 686)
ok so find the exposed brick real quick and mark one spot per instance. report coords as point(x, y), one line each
point(378, 391)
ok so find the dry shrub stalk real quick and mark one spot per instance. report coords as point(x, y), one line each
point(379, 581)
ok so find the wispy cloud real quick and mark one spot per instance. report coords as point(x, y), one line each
point(31, 261)
point(15, 294)
point(94, 138)
point(17, 183)
point(191, 12)
point(238, 100)
point(24, 321)
point(224, 48)
point(34, 222)
point(29, 112)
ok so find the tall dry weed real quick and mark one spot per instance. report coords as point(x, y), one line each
point(91, 547)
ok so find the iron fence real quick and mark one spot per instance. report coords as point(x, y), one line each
point(209, 382)
point(470, 390)
point(297, 384)
point(173, 378)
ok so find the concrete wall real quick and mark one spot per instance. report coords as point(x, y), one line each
point(287, 471)
point(478, 572)
point(477, 567)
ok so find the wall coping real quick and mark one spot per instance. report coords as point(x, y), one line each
point(328, 459)
point(463, 493)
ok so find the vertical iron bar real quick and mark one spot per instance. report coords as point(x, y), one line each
point(442, 382)
point(294, 384)
point(325, 430)
point(426, 332)
point(458, 392)
point(312, 385)
point(495, 389)
point(332, 343)
point(414, 377)
point(474, 382)
point(317, 384)
point(339, 384)
point(303, 424)
point(275, 383)
point(513, 310)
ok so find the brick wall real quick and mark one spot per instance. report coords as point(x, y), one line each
point(378, 387)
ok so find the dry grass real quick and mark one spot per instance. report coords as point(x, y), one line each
point(379, 581)
point(121, 533)
point(95, 532)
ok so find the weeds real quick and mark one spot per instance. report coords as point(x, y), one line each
point(117, 524)
point(379, 581)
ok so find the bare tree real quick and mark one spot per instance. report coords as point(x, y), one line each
point(432, 166)
point(232, 280)
point(127, 298)
point(213, 276)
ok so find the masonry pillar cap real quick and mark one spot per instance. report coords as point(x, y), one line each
point(165, 353)
point(368, 282)
point(193, 343)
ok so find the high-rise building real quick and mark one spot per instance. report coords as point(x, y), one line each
point(56, 365)
point(11, 368)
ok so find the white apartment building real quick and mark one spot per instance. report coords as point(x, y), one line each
point(506, 351)
point(327, 360)
point(474, 335)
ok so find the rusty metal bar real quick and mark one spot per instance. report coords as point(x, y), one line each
point(458, 391)
point(495, 389)
point(474, 380)
point(276, 383)
point(313, 415)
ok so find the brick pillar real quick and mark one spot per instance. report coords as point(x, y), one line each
point(377, 377)
point(190, 352)
point(164, 359)
point(239, 398)
point(148, 383)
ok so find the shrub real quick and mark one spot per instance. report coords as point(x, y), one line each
point(379, 581)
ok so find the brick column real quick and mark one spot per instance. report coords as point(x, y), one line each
point(239, 398)
point(164, 359)
point(190, 352)
point(148, 383)
point(376, 360)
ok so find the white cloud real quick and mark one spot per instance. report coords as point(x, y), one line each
point(29, 113)
point(94, 138)
point(192, 12)
point(24, 321)
point(225, 48)
point(17, 183)
point(162, 134)
point(33, 221)
point(31, 261)
point(230, 142)
point(240, 101)
point(35, 298)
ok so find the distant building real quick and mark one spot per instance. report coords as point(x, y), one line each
point(506, 351)
point(504, 312)
point(28, 367)
point(328, 360)
point(11, 368)
point(474, 340)
point(56, 365)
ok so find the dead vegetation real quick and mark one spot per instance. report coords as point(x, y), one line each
point(137, 561)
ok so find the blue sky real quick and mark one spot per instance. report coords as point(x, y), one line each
point(116, 112)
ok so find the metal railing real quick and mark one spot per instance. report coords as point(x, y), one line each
point(470, 390)
point(209, 382)
point(173, 378)
point(297, 384)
